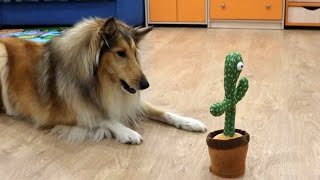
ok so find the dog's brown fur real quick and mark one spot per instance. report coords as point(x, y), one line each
point(22, 86)
point(73, 83)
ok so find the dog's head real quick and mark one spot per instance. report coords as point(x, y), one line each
point(118, 58)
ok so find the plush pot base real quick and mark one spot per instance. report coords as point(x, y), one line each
point(228, 157)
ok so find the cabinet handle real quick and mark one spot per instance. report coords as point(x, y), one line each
point(222, 5)
point(268, 5)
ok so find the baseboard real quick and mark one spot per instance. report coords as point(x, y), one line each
point(245, 24)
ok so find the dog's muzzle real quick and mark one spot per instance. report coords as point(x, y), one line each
point(143, 84)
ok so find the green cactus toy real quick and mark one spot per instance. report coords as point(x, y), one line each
point(233, 94)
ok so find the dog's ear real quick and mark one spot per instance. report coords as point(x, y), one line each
point(139, 33)
point(109, 28)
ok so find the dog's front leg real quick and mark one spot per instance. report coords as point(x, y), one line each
point(122, 133)
point(185, 123)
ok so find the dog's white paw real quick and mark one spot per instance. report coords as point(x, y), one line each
point(185, 123)
point(128, 136)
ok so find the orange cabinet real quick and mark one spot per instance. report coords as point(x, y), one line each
point(163, 10)
point(246, 9)
point(191, 10)
point(302, 13)
point(176, 11)
point(266, 14)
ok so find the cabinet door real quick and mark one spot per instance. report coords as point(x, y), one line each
point(191, 10)
point(246, 9)
point(163, 10)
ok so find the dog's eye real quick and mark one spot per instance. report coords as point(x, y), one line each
point(121, 54)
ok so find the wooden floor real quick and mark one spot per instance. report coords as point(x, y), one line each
point(281, 111)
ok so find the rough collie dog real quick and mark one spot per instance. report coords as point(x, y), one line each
point(83, 85)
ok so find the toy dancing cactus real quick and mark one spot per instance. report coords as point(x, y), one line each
point(233, 94)
point(228, 147)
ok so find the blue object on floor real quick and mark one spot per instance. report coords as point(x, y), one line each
point(41, 35)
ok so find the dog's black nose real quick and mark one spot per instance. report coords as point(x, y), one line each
point(144, 84)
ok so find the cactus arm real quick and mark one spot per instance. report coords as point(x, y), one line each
point(242, 88)
point(218, 109)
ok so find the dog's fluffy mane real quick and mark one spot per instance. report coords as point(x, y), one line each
point(72, 57)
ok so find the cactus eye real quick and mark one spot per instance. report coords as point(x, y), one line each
point(240, 66)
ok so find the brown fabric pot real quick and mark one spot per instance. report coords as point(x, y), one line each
point(228, 157)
